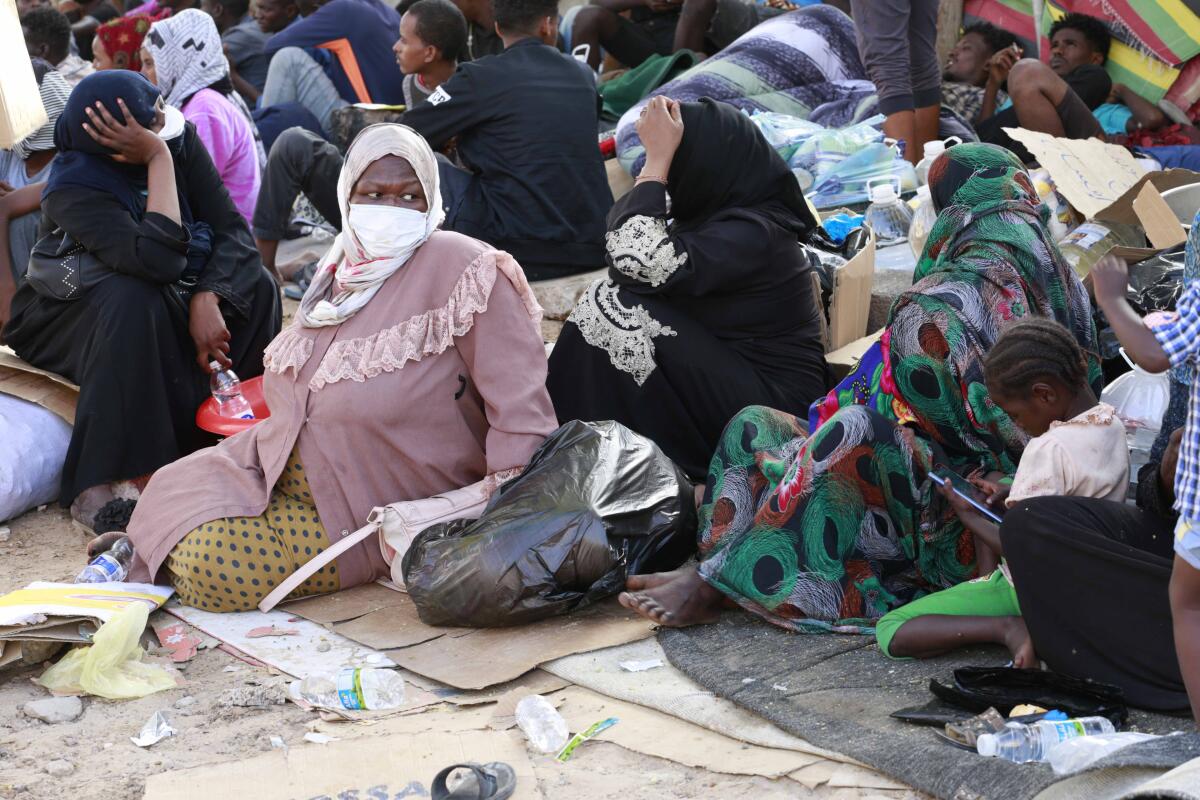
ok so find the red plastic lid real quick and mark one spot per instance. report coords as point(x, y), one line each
point(207, 418)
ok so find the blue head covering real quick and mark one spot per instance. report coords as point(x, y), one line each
point(84, 162)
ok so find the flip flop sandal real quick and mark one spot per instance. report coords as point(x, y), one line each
point(494, 781)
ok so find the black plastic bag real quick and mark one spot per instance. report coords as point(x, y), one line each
point(1156, 283)
point(979, 688)
point(597, 502)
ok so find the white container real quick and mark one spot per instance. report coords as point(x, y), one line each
point(930, 151)
point(922, 223)
point(888, 216)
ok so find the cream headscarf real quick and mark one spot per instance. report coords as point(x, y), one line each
point(354, 277)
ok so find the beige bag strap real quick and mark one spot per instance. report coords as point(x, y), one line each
point(288, 584)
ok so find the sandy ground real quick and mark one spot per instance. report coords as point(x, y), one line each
point(45, 545)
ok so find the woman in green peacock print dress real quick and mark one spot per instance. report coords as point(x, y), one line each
point(829, 532)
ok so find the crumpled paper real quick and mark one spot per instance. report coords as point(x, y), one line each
point(112, 665)
point(155, 730)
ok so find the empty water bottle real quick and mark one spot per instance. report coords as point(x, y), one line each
point(542, 724)
point(1024, 743)
point(888, 215)
point(923, 221)
point(227, 390)
point(354, 689)
point(930, 151)
point(111, 565)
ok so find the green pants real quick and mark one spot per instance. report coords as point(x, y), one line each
point(992, 596)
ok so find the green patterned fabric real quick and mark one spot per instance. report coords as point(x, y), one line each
point(831, 531)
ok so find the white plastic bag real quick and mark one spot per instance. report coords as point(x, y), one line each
point(1075, 755)
point(1140, 397)
point(31, 459)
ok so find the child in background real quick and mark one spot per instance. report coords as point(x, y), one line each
point(1172, 341)
point(433, 38)
point(1037, 374)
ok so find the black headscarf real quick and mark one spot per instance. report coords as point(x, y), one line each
point(724, 163)
point(84, 162)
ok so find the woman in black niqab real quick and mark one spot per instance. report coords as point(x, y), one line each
point(176, 293)
point(708, 306)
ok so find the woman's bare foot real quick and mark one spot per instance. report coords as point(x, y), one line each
point(1016, 639)
point(685, 600)
point(637, 583)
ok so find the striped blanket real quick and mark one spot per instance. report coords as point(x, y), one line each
point(804, 64)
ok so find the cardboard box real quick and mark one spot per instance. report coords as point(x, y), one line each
point(1142, 204)
point(1104, 183)
point(850, 301)
point(844, 359)
point(21, 110)
point(1089, 173)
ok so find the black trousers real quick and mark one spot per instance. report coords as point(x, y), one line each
point(1092, 577)
point(300, 161)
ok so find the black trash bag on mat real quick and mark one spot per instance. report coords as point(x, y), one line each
point(597, 502)
point(979, 688)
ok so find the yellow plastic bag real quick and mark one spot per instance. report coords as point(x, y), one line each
point(112, 666)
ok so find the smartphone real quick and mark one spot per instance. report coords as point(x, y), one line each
point(967, 491)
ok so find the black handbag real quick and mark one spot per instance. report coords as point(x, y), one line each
point(60, 268)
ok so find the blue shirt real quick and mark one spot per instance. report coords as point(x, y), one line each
point(358, 36)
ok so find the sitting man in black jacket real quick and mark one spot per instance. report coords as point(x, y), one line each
point(525, 124)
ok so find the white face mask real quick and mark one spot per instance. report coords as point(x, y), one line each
point(173, 122)
point(387, 231)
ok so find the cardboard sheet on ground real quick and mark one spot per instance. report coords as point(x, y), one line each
point(668, 690)
point(489, 656)
point(52, 392)
point(465, 658)
point(395, 766)
point(296, 655)
point(1091, 174)
point(654, 733)
point(641, 730)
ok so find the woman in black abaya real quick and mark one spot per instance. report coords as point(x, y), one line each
point(708, 306)
point(134, 185)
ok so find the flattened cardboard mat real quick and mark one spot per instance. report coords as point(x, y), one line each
point(395, 766)
point(839, 691)
point(465, 658)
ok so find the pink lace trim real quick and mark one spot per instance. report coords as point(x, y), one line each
point(288, 350)
point(427, 334)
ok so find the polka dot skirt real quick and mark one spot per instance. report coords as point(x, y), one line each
point(231, 564)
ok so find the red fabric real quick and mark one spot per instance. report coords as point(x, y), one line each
point(1170, 135)
point(122, 38)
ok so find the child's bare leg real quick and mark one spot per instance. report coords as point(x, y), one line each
point(1185, 611)
point(933, 634)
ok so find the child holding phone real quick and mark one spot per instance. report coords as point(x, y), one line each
point(1172, 341)
point(1036, 373)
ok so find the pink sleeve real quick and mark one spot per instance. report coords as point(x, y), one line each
point(507, 361)
point(213, 132)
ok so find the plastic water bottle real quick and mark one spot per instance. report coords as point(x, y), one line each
point(930, 151)
point(110, 566)
point(227, 390)
point(542, 724)
point(354, 689)
point(1024, 743)
point(888, 215)
point(922, 222)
